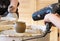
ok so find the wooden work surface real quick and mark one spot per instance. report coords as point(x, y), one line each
point(53, 36)
point(49, 37)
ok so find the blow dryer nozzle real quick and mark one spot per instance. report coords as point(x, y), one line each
point(39, 15)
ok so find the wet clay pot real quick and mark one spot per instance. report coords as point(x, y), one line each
point(20, 27)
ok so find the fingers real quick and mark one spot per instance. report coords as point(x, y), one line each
point(48, 17)
point(13, 6)
point(12, 9)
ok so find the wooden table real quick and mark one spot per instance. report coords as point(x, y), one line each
point(49, 37)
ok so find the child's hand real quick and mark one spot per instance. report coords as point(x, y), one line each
point(13, 6)
point(12, 9)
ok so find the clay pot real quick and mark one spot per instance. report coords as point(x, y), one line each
point(20, 27)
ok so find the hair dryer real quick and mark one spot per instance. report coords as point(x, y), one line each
point(39, 15)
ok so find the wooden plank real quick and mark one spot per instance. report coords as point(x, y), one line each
point(26, 8)
point(59, 34)
point(54, 34)
point(44, 3)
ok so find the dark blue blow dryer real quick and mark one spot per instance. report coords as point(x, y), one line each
point(39, 15)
